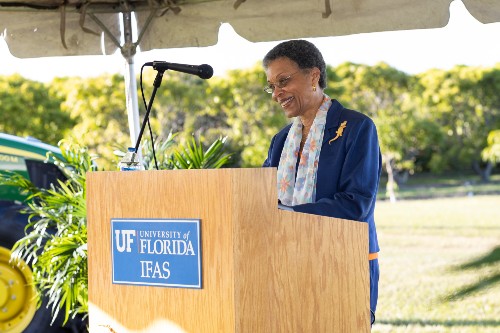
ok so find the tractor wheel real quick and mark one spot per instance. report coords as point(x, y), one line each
point(18, 304)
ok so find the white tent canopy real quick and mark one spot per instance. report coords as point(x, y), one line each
point(44, 28)
point(79, 27)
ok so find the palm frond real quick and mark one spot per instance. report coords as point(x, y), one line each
point(56, 235)
point(193, 156)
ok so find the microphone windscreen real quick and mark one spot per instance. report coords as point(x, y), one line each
point(206, 71)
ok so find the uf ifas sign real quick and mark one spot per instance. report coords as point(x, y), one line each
point(156, 252)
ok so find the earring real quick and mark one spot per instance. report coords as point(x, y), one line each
point(314, 87)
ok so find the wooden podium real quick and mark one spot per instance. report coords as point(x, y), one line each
point(263, 269)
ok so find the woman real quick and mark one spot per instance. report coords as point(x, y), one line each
point(328, 158)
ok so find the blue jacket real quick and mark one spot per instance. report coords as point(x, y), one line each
point(348, 169)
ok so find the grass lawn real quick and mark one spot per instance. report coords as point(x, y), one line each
point(431, 186)
point(440, 265)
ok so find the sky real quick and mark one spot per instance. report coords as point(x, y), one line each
point(464, 41)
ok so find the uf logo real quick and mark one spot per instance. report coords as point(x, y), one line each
point(126, 240)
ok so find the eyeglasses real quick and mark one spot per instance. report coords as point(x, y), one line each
point(280, 84)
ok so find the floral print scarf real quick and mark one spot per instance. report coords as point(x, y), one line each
point(299, 186)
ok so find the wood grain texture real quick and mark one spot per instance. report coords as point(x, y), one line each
point(263, 270)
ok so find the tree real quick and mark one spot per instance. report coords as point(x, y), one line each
point(464, 103)
point(384, 94)
point(492, 151)
point(98, 105)
point(29, 108)
point(252, 118)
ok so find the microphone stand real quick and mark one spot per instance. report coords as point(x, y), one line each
point(156, 85)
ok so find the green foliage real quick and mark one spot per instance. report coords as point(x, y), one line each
point(252, 117)
point(56, 235)
point(162, 151)
point(29, 108)
point(492, 151)
point(193, 156)
point(382, 93)
point(189, 155)
point(463, 103)
point(99, 106)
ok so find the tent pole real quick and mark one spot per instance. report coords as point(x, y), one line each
point(128, 51)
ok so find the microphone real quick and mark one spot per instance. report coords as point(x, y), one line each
point(203, 71)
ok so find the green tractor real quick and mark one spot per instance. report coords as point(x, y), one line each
point(18, 301)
